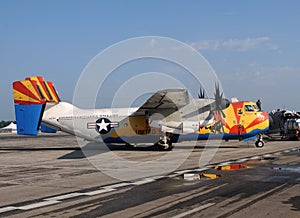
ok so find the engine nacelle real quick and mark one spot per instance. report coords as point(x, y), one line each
point(177, 127)
point(291, 125)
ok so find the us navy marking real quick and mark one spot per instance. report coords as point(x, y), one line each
point(102, 125)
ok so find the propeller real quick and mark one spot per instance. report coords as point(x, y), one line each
point(201, 93)
point(221, 103)
point(218, 105)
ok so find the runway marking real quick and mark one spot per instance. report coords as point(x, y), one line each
point(182, 171)
point(7, 209)
point(37, 205)
point(172, 175)
point(211, 166)
point(194, 210)
point(255, 157)
point(158, 177)
point(201, 169)
point(225, 163)
point(143, 181)
point(267, 155)
point(63, 197)
point(241, 160)
point(97, 192)
point(118, 185)
point(114, 187)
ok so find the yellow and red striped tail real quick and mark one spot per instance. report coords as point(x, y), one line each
point(30, 97)
point(34, 90)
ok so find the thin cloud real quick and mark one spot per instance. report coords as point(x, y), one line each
point(235, 44)
point(205, 45)
point(245, 44)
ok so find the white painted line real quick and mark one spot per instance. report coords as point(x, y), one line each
point(242, 160)
point(267, 155)
point(255, 157)
point(119, 185)
point(202, 207)
point(143, 181)
point(201, 169)
point(183, 171)
point(97, 192)
point(225, 163)
point(37, 205)
point(211, 166)
point(63, 197)
point(6, 209)
point(157, 177)
point(172, 175)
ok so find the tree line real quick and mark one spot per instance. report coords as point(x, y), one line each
point(4, 123)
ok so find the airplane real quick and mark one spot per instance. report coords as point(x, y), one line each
point(286, 123)
point(168, 116)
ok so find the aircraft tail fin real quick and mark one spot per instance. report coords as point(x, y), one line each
point(30, 98)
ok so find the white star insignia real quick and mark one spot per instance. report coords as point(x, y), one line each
point(102, 125)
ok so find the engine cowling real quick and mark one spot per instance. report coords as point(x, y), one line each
point(291, 125)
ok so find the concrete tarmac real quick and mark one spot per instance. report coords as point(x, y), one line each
point(49, 176)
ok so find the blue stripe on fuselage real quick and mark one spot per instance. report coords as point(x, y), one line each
point(225, 136)
point(179, 138)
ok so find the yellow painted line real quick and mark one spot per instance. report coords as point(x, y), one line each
point(211, 175)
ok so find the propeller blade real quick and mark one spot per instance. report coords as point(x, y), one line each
point(221, 103)
point(201, 93)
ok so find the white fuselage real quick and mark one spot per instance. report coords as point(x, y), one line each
point(83, 122)
point(71, 119)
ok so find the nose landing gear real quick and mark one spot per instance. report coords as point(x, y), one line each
point(259, 143)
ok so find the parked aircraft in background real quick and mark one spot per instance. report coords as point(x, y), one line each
point(286, 123)
point(167, 117)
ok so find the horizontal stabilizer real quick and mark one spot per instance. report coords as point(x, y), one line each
point(47, 129)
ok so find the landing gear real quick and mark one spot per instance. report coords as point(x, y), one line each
point(164, 144)
point(259, 143)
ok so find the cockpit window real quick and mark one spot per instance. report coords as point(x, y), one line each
point(249, 108)
point(255, 107)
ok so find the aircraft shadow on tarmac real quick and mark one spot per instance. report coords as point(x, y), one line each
point(5, 148)
point(295, 201)
point(92, 149)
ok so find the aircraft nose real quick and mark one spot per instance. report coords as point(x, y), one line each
point(266, 117)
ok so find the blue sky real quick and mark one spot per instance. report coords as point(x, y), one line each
point(254, 46)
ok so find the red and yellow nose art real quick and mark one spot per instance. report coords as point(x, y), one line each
point(240, 118)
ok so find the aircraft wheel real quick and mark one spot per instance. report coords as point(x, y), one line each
point(259, 144)
point(170, 147)
point(164, 145)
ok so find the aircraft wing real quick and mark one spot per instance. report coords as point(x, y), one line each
point(165, 102)
point(172, 111)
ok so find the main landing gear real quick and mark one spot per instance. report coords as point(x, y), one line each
point(164, 144)
point(259, 143)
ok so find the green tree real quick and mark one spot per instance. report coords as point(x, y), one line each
point(4, 123)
